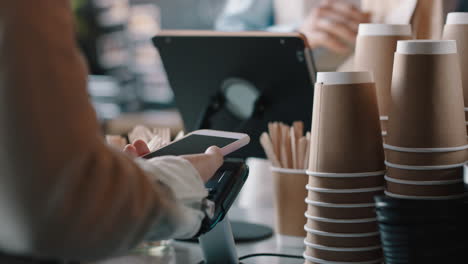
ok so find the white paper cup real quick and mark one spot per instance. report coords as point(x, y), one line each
point(370, 29)
point(258, 190)
point(290, 241)
point(334, 78)
point(457, 18)
point(426, 47)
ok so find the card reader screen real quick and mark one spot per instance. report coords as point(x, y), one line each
point(193, 144)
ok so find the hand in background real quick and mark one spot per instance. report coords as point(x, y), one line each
point(333, 24)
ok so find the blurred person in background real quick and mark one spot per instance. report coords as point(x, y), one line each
point(64, 193)
point(331, 26)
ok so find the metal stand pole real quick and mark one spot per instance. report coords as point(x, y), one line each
point(218, 245)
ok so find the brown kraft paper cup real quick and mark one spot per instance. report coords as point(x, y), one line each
point(351, 242)
point(343, 197)
point(290, 193)
point(425, 190)
point(346, 182)
point(459, 32)
point(343, 228)
point(426, 159)
point(341, 212)
point(427, 97)
point(352, 256)
point(375, 54)
point(425, 175)
point(346, 135)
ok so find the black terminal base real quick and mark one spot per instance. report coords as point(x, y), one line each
point(245, 232)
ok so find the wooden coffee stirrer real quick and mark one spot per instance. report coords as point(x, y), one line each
point(273, 130)
point(307, 154)
point(286, 145)
point(301, 150)
point(267, 145)
point(293, 147)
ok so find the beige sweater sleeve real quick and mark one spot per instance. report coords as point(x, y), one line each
point(63, 193)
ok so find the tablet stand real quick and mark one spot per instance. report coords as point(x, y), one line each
point(256, 232)
point(218, 245)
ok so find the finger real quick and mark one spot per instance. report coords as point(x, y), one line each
point(328, 14)
point(343, 11)
point(130, 150)
point(328, 41)
point(337, 29)
point(141, 148)
point(350, 10)
point(216, 155)
point(214, 150)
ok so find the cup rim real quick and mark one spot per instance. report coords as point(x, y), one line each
point(457, 18)
point(426, 47)
point(340, 221)
point(353, 235)
point(352, 77)
point(345, 175)
point(380, 29)
point(422, 183)
point(333, 205)
point(425, 150)
point(424, 168)
point(322, 261)
point(359, 190)
point(288, 171)
point(411, 197)
point(340, 249)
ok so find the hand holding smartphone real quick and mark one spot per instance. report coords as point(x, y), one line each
point(226, 183)
point(199, 141)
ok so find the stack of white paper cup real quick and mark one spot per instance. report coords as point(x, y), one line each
point(346, 170)
point(456, 28)
point(427, 143)
point(375, 47)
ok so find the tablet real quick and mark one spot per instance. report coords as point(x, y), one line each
point(238, 81)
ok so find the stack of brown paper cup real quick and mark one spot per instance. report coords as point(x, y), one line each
point(427, 143)
point(456, 28)
point(346, 170)
point(289, 202)
point(375, 47)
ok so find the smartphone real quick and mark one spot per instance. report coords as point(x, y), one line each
point(198, 141)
